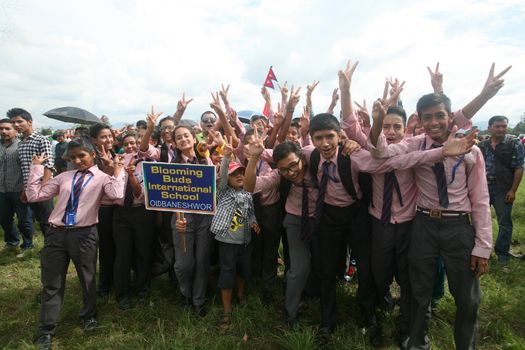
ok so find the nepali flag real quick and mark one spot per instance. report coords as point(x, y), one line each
point(270, 77)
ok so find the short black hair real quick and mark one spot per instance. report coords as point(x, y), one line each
point(6, 120)
point(397, 110)
point(141, 124)
point(95, 129)
point(208, 112)
point(324, 121)
point(431, 100)
point(19, 112)
point(256, 117)
point(166, 118)
point(282, 151)
point(498, 118)
point(81, 142)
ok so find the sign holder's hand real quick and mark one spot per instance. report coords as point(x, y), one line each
point(180, 225)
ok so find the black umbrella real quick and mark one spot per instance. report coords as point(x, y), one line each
point(72, 115)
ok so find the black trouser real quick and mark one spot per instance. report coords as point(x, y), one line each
point(41, 212)
point(265, 246)
point(133, 230)
point(79, 245)
point(389, 257)
point(106, 254)
point(453, 239)
point(339, 225)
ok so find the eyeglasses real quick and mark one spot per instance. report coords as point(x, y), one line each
point(293, 167)
point(208, 120)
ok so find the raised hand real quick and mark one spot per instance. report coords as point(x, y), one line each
point(311, 87)
point(265, 94)
point(228, 146)
point(256, 147)
point(335, 96)
point(152, 117)
point(224, 93)
point(284, 91)
point(183, 103)
point(394, 94)
point(294, 99)
point(216, 104)
point(305, 121)
point(345, 76)
point(39, 160)
point(436, 79)
point(278, 118)
point(104, 156)
point(130, 169)
point(459, 146)
point(494, 82)
point(378, 111)
point(216, 137)
point(363, 113)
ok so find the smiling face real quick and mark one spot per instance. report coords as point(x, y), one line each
point(393, 128)
point(184, 140)
point(435, 121)
point(326, 142)
point(166, 130)
point(292, 168)
point(104, 139)
point(129, 144)
point(81, 158)
point(293, 134)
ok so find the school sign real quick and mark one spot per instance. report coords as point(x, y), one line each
point(186, 188)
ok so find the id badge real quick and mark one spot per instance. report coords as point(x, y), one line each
point(71, 218)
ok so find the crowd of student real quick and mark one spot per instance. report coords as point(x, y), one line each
point(400, 195)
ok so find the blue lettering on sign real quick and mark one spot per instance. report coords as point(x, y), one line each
point(186, 188)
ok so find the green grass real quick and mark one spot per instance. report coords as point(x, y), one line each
point(163, 324)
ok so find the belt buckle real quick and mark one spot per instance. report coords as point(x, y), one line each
point(435, 213)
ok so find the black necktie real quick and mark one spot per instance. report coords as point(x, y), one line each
point(77, 189)
point(441, 180)
point(322, 191)
point(128, 197)
point(305, 216)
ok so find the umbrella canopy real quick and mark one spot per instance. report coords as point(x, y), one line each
point(72, 115)
point(188, 122)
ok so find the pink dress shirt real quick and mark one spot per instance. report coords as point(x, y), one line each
point(467, 187)
point(89, 202)
point(137, 201)
point(293, 206)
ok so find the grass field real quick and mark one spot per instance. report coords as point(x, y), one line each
point(163, 324)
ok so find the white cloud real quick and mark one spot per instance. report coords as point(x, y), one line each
point(119, 57)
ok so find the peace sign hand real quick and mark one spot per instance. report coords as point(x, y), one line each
point(152, 117)
point(310, 88)
point(183, 103)
point(265, 94)
point(256, 147)
point(228, 146)
point(39, 160)
point(345, 76)
point(294, 99)
point(494, 82)
point(224, 93)
point(436, 79)
point(216, 104)
point(284, 91)
point(335, 96)
point(305, 121)
point(378, 111)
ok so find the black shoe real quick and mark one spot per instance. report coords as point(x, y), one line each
point(200, 310)
point(90, 324)
point(376, 336)
point(403, 341)
point(186, 303)
point(44, 342)
point(323, 335)
point(124, 304)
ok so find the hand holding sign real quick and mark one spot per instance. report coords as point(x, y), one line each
point(180, 226)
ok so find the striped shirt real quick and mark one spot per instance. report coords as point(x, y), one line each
point(34, 144)
point(10, 169)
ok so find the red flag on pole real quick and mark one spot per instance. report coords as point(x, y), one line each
point(270, 78)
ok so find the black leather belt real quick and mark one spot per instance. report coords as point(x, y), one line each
point(438, 214)
point(69, 228)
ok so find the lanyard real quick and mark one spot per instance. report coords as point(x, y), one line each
point(74, 205)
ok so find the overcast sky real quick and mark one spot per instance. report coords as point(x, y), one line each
point(119, 57)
